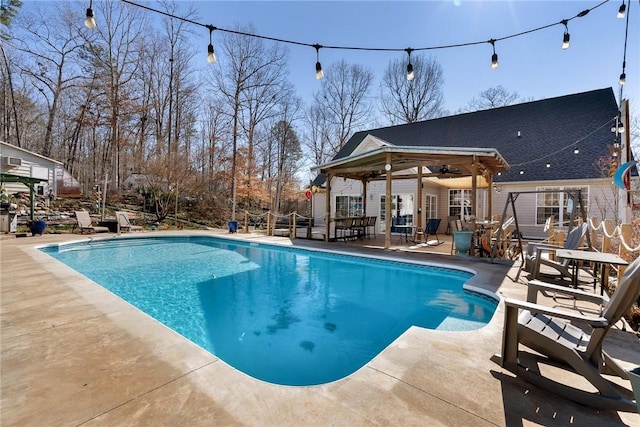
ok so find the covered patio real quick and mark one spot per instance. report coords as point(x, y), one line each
point(475, 168)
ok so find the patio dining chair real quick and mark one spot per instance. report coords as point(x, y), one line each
point(371, 226)
point(359, 226)
point(571, 341)
point(346, 228)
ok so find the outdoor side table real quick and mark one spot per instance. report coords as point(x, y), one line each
point(405, 232)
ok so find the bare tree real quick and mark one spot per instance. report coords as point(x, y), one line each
point(8, 11)
point(493, 97)
point(316, 139)
point(51, 51)
point(181, 88)
point(409, 101)
point(8, 107)
point(76, 109)
point(344, 100)
point(264, 92)
point(249, 83)
point(287, 146)
point(116, 56)
point(215, 155)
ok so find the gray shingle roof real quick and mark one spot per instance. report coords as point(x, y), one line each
point(550, 129)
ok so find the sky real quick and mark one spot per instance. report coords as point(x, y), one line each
point(533, 64)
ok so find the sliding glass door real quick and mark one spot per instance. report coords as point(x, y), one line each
point(402, 209)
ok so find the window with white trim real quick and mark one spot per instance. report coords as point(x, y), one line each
point(430, 207)
point(548, 204)
point(460, 204)
point(349, 206)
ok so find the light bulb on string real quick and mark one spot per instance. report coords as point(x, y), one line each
point(623, 79)
point(576, 151)
point(622, 10)
point(211, 55)
point(618, 126)
point(616, 149)
point(410, 74)
point(319, 73)
point(623, 76)
point(548, 164)
point(566, 37)
point(494, 57)
point(90, 21)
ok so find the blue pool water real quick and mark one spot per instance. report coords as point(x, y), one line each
point(282, 315)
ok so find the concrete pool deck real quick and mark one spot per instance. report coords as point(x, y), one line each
point(72, 353)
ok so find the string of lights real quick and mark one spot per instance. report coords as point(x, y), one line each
point(211, 58)
point(618, 128)
point(622, 13)
point(623, 76)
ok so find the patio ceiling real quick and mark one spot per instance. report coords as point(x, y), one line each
point(370, 165)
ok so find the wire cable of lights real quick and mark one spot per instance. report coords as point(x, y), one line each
point(373, 49)
point(492, 41)
point(623, 76)
point(568, 146)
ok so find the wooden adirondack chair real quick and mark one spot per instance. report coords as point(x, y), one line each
point(553, 333)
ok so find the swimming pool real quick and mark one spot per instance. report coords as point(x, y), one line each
point(283, 315)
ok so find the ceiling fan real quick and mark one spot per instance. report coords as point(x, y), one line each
point(447, 170)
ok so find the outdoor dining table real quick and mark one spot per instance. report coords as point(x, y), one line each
point(598, 258)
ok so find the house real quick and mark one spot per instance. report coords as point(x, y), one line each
point(48, 176)
point(551, 144)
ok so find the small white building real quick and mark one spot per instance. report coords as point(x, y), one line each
point(16, 161)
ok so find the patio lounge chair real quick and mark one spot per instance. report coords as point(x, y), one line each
point(124, 224)
point(432, 230)
point(85, 225)
point(553, 334)
point(540, 254)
